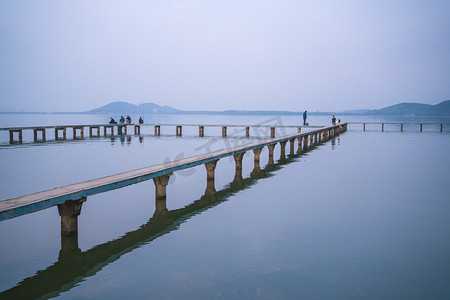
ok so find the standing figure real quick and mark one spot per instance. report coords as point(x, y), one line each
point(128, 119)
point(141, 121)
point(121, 120)
point(304, 117)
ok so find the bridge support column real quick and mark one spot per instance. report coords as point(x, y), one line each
point(311, 139)
point(210, 187)
point(91, 129)
point(256, 173)
point(120, 129)
point(238, 176)
point(69, 212)
point(57, 129)
point(157, 130)
point(224, 131)
point(300, 144)
point(179, 130)
point(283, 150)
point(292, 146)
point(299, 129)
point(75, 128)
point(272, 132)
point(36, 130)
point(271, 148)
point(160, 186)
point(257, 154)
point(11, 136)
point(201, 131)
point(247, 132)
point(137, 129)
point(105, 130)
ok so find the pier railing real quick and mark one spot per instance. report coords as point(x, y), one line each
point(420, 125)
point(69, 198)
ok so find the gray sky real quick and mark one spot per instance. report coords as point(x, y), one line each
point(217, 55)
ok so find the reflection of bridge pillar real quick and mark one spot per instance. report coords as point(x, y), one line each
point(271, 147)
point(160, 186)
point(160, 205)
point(69, 246)
point(69, 212)
point(283, 150)
point(291, 143)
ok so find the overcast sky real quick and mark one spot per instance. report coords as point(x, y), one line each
point(217, 55)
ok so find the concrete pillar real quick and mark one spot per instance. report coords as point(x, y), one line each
point(57, 129)
point(300, 144)
point(271, 148)
point(401, 127)
point(69, 212)
point(137, 129)
point(11, 135)
point(75, 131)
point(306, 141)
point(247, 132)
point(224, 131)
point(283, 149)
point(421, 127)
point(160, 186)
point(272, 132)
point(36, 130)
point(120, 129)
point(311, 139)
point(125, 127)
point(382, 127)
point(157, 130)
point(201, 131)
point(210, 167)
point(179, 130)
point(292, 146)
point(364, 126)
point(238, 159)
point(110, 127)
point(257, 154)
point(91, 129)
point(441, 128)
point(299, 129)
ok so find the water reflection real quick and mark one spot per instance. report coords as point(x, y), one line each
point(73, 265)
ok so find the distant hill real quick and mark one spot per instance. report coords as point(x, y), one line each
point(416, 109)
point(126, 108)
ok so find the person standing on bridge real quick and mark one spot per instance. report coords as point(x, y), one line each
point(121, 120)
point(304, 117)
point(128, 119)
point(141, 121)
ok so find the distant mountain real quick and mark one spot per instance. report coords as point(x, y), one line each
point(126, 108)
point(416, 109)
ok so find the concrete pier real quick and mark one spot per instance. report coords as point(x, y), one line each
point(157, 130)
point(201, 131)
point(179, 131)
point(63, 196)
point(224, 131)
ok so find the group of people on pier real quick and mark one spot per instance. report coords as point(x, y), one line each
point(333, 119)
point(122, 120)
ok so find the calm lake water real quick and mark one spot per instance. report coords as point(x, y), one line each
point(363, 216)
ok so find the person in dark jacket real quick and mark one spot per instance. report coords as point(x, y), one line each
point(128, 119)
point(112, 121)
point(141, 121)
